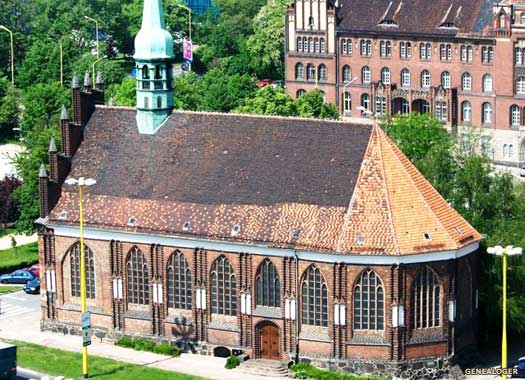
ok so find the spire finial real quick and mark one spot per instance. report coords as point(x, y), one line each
point(74, 81)
point(63, 113)
point(100, 78)
point(87, 80)
point(42, 173)
point(52, 146)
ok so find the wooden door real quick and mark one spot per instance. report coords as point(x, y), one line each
point(270, 342)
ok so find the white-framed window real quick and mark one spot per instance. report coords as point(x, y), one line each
point(366, 75)
point(445, 52)
point(520, 85)
point(316, 45)
point(322, 45)
point(299, 44)
point(385, 75)
point(466, 53)
point(305, 44)
point(346, 46)
point(405, 49)
point(365, 102)
point(515, 116)
point(441, 111)
point(445, 79)
point(299, 71)
point(366, 48)
point(405, 78)
point(487, 54)
point(425, 79)
point(487, 113)
point(466, 111)
point(311, 43)
point(385, 49)
point(487, 83)
point(466, 82)
point(310, 72)
point(425, 51)
point(347, 73)
point(522, 18)
point(380, 105)
point(518, 56)
point(323, 73)
point(347, 103)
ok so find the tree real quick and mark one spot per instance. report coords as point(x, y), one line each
point(42, 104)
point(266, 45)
point(27, 165)
point(8, 208)
point(125, 93)
point(269, 101)
point(188, 91)
point(312, 104)
point(9, 112)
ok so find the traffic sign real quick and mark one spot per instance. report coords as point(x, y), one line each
point(86, 336)
point(86, 320)
point(188, 50)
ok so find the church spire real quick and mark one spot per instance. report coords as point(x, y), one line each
point(153, 57)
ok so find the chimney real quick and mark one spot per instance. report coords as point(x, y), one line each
point(87, 82)
point(43, 191)
point(99, 83)
point(53, 161)
point(75, 91)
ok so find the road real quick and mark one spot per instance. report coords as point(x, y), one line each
point(24, 374)
point(17, 305)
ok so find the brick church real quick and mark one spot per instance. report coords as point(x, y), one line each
point(461, 60)
point(279, 237)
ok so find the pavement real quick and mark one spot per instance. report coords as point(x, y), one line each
point(20, 320)
point(5, 241)
point(8, 154)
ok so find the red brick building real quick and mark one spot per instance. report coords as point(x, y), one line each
point(463, 61)
point(283, 238)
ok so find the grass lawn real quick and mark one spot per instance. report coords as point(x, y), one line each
point(6, 232)
point(55, 362)
point(23, 256)
point(9, 289)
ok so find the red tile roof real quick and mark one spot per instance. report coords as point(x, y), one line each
point(336, 182)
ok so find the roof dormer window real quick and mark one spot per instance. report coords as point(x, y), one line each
point(448, 25)
point(388, 23)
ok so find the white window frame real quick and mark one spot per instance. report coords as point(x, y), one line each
point(466, 82)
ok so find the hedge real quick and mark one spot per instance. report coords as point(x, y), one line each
point(147, 345)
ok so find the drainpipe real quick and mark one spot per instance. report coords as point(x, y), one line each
point(296, 306)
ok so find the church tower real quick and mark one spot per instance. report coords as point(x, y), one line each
point(153, 57)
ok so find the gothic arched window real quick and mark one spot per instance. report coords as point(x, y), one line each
point(268, 285)
point(179, 282)
point(145, 72)
point(223, 288)
point(74, 261)
point(299, 71)
point(425, 300)
point(347, 73)
point(314, 298)
point(369, 309)
point(323, 72)
point(137, 277)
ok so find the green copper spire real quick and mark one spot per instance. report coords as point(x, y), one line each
point(153, 57)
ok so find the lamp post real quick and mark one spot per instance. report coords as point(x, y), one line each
point(189, 16)
point(12, 54)
point(504, 252)
point(96, 28)
point(94, 64)
point(81, 182)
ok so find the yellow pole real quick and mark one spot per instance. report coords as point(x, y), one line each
point(82, 280)
point(504, 337)
point(94, 64)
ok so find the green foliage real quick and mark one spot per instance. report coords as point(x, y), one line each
point(311, 104)
point(23, 256)
point(269, 101)
point(27, 164)
point(9, 112)
point(42, 103)
point(147, 345)
point(266, 45)
point(232, 362)
point(306, 371)
point(123, 94)
point(187, 91)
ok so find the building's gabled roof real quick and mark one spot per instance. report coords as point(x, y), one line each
point(334, 182)
point(423, 17)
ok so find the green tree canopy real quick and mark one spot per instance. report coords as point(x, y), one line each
point(43, 103)
point(9, 112)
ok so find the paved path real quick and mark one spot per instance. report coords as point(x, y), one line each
point(5, 241)
point(8, 153)
point(26, 327)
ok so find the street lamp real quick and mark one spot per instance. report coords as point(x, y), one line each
point(81, 182)
point(189, 16)
point(96, 28)
point(504, 252)
point(94, 64)
point(12, 54)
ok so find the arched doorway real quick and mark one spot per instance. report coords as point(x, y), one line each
point(269, 341)
point(400, 105)
point(421, 106)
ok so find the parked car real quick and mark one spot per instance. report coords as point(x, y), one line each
point(279, 83)
point(33, 286)
point(35, 269)
point(17, 277)
point(521, 369)
point(7, 361)
point(522, 169)
point(264, 83)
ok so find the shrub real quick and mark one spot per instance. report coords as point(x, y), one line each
point(147, 346)
point(232, 362)
point(125, 341)
point(306, 371)
point(166, 349)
